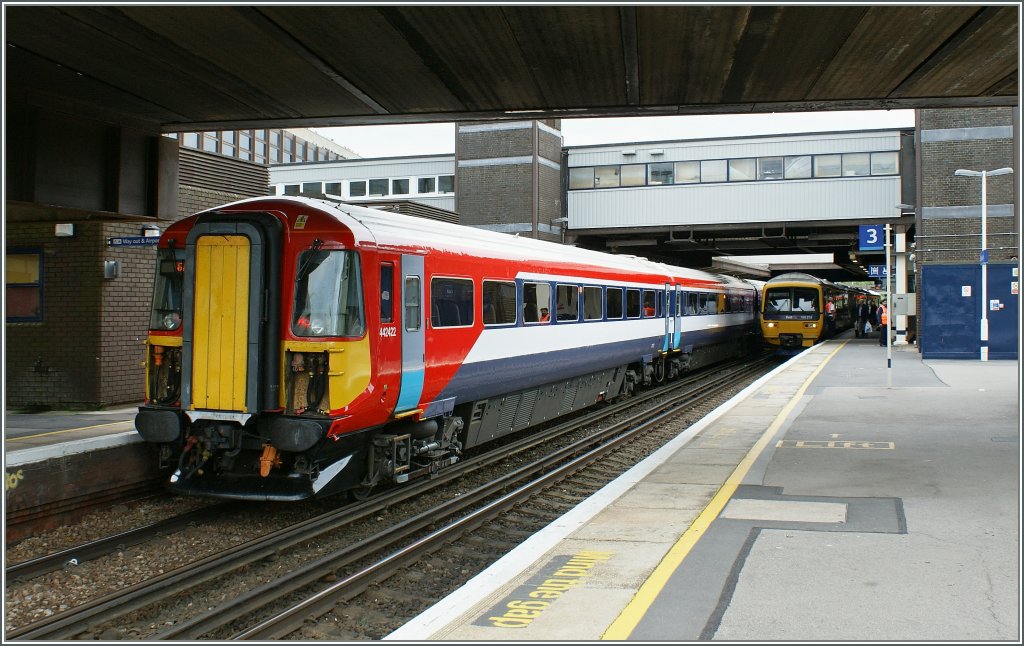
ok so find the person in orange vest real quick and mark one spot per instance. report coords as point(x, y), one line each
point(830, 316)
point(883, 322)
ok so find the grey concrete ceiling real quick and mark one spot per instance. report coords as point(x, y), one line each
point(191, 67)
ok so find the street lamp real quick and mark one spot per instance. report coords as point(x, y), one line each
point(983, 258)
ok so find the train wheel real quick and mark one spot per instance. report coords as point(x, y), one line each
point(360, 493)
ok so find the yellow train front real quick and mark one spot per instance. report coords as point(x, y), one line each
point(799, 310)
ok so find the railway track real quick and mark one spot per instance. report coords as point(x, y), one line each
point(246, 615)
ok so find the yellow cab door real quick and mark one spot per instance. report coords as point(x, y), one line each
point(221, 325)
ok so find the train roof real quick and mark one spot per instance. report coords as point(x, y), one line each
point(386, 228)
point(796, 277)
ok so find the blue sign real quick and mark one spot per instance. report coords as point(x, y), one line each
point(132, 241)
point(872, 237)
point(877, 271)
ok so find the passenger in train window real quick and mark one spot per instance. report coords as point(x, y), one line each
point(544, 316)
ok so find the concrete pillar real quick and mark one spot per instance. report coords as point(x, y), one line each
point(900, 275)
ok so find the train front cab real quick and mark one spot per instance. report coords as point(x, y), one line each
point(238, 410)
point(791, 315)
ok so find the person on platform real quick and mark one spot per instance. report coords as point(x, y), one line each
point(883, 322)
point(863, 317)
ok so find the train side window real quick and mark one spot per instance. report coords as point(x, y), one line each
point(567, 302)
point(614, 297)
point(499, 302)
point(593, 308)
point(451, 302)
point(702, 303)
point(412, 303)
point(692, 306)
point(536, 302)
point(632, 303)
point(650, 303)
point(387, 286)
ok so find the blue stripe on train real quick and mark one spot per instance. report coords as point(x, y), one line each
point(410, 391)
point(478, 381)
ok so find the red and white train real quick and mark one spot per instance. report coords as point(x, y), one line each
point(300, 347)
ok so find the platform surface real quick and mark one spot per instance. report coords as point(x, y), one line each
point(822, 503)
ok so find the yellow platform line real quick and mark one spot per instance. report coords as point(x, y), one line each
point(630, 617)
point(67, 430)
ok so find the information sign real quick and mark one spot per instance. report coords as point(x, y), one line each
point(133, 241)
point(872, 237)
point(877, 271)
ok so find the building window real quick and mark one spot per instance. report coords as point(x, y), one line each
point(332, 188)
point(769, 168)
point(378, 187)
point(714, 170)
point(798, 167)
point(634, 174)
point(291, 189)
point(887, 163)
point(312, 187)
point(856, 165)
point(446, 184)
point(426, 185)
point(687, 172)
point(190, 139)
point(742, 170)
point(828, 165)
point(605, 176)
point(581, 177)
point(357, 188)
point(24, 286)
point(210, 142)
point(659, 173)
point(400, 187)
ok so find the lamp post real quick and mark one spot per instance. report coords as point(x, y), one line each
point(983, 258)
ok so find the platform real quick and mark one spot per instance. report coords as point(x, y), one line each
point(822, 503)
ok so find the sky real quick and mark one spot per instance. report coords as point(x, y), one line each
point(439, 138)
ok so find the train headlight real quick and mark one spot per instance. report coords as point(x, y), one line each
point(172, 321)
point(771, 325)
point(811, 325)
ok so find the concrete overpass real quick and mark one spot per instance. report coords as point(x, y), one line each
point(89, 89)
point(193, 67)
